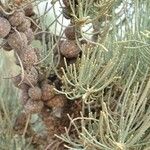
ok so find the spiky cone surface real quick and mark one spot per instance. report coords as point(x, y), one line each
point(31, 76)
point(7, 47)
point(47, 91)
point(4, 27)
point(35, 93)
point(69, 49)
point(16, 18)
point(70, 32)
point(32, 107)
point(28, 57)
point(30, 35)
point(25, 25)
point(17, 41)
point(29, 10)
point(58, 101)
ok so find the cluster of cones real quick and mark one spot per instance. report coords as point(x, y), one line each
point(37, 91)
point(18, 35)
point(69, 48)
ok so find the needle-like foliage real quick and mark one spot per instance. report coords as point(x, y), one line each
point(127, 127)
point(90, 75)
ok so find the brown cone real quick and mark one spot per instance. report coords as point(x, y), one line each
point(70, 32)
point(31, 76)
point(35, 93)
point(24, 96)
point(16, 18)
point(29, 10)
point(30, 35)
point(25, 25)
point(28, 57)
point(57, 101)
point(4, 27)
point(32, 107)
point(47, 91)
point(69, 49)
point(17, 41)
